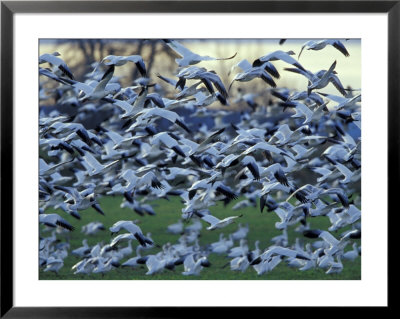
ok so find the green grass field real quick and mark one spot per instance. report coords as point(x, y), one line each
point(262, 227)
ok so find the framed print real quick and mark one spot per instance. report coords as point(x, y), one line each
point(196, 154)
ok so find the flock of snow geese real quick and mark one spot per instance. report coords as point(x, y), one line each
point(144, 150)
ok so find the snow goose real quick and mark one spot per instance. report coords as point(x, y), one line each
point(240, 250)
point(310, 193)
point(96, 167)
point(192, 267)
point(132, 262)
point(56, 144)
point(267, 265)
point(209, 78)
point(80, 200)
point(118, 140)
point(133, 229)
point(323, 172)
point(343, 102)
point(53, 60)
point(253, 73)
point(282, 135)
point(240, 263)
point(203, 100)
point(47, 72)
point(115, 60)
point(266, 200)
point(220, 247)
point(165, 139)
point(321, 79)
point(141, 209)
point(54, 264)
point(100, 90)
point(337, 153)
point(57, 178)
point(46, 169)
point(149, 179)
point(103, 266)
point(287, 217)
point(150, 113)
point(84, 266)
point(301, 152)
point(187, 56)
point(335, 267)
point(340, 218)
point(280, 251)
point(334, 246)
point(275, 172)
point(319, 45)
point(312, 263)
point(348, 174)
point(351, 254)
point(264, 146)
point(215, 222)
point(324, 80)
point(155, 264)
point(126, 251)
point(278, 55)
point(303, 95)
point(54, 220)
point(220, 241)
point(211, 185)
point(83, 250)
point(248, 68)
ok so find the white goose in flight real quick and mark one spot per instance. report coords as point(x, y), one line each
point(133, 229)
point(215, 222)
point(188, 57)
point(279, 55)
point(166, 140)
point(76, 200)
point(319, 45)
point(54, 220)
point(250, 72)
point(343, 101)
point(321, 79)
point(96, 167)
point(116, 60)
point(56, 62)
point(102, 88)
point(46, 169)
point(267, 265)
point(152, 113)
point(148, 179)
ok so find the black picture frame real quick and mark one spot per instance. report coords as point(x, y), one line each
point(9, 8)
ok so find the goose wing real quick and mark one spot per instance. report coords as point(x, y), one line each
point(105, 79)
point(339, 46)
point(179, 48)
